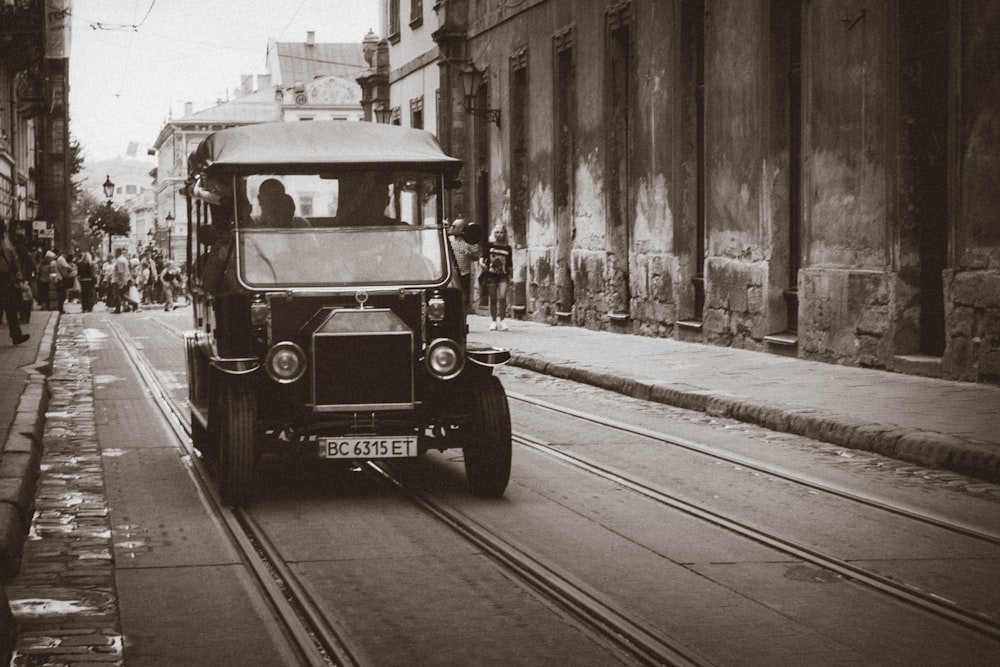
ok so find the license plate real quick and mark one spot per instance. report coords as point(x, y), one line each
point(368, 447)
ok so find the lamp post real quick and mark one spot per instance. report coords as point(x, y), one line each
point(170, 228)
point(109, 192)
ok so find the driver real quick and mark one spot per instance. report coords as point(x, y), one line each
point(362, 200)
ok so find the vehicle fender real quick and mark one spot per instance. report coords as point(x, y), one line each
point(488, 356)
point(236, 366)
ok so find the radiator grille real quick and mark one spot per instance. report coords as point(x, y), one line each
point(362, 359)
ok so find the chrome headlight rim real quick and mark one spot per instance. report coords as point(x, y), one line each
point(430, 358)
point(278, 348)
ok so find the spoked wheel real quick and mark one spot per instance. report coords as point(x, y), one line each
point(488, 454)
point(237, 427)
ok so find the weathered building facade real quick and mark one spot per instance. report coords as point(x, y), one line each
point(34, 119)
point(814, 178)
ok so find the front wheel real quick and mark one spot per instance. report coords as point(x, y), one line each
point(237, 430)
point(488, 454)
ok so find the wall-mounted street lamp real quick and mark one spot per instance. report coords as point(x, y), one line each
point(472, 78)
point(382, 111)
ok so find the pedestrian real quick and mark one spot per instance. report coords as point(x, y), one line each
point(106, 283)
point(66, 270)
point(122, 279)
point(27, 265)
point(170, 278)
point(151, 279)
point(498, 269)
point(10, 287)
point(46, 269)
point(465, 254)
point(85, 273)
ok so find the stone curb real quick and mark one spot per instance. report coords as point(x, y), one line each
point(20, 461)
point(925, 448)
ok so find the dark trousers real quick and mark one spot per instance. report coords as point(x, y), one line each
point(63, 286)
point(10, 301)
point(465, 279)
point(87, 296)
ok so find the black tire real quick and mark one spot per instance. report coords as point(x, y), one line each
point(237, 428)
point(488, 453)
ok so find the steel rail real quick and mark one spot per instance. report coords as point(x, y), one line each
point(599, 615)
point(923, 600)
point(909, 512)
point(923, 516)
point(309, 630)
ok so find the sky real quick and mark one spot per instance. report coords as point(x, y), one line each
point(134, 63)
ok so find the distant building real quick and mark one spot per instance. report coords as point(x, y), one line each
point(305, 82)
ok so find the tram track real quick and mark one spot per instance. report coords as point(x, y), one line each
point(928, 602)
point(316, 634)
point(305, 625)
point(593, 610)
point(773, 471)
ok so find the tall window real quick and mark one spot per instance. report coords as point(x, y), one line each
point(564, 101)
point(693, 75)
point(564, 113)
point(519, 148)
point(620, 89)
point(416, 12)
point(394, 19)
point(417, 112)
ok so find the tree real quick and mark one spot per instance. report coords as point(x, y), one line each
point(111, 221)
point(75, 167)
point(82, 235)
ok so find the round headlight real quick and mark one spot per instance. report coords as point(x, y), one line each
point(444, 359)
point(285, 362)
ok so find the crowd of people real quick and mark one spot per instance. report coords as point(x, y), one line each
point(39, 278)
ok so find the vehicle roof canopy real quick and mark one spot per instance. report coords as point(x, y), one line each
point(294, 145)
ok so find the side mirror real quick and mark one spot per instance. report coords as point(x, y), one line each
point(473, 233)
point(207, 234)
point(453, 184)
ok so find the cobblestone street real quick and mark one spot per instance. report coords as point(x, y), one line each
point(64, 599)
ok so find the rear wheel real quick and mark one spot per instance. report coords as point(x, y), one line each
point(237, 428)
point(488, 454)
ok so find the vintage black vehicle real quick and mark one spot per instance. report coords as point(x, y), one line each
point(328, 313)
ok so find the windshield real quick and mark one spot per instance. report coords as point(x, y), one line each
point(374, 227)
point(337, 256)
point(338, 199)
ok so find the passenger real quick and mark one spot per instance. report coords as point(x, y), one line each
point(277, 208)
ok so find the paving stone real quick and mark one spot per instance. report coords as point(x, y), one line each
point(64, 599)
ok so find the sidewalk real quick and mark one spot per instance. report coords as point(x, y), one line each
point(936, 423)
point(23, 400)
